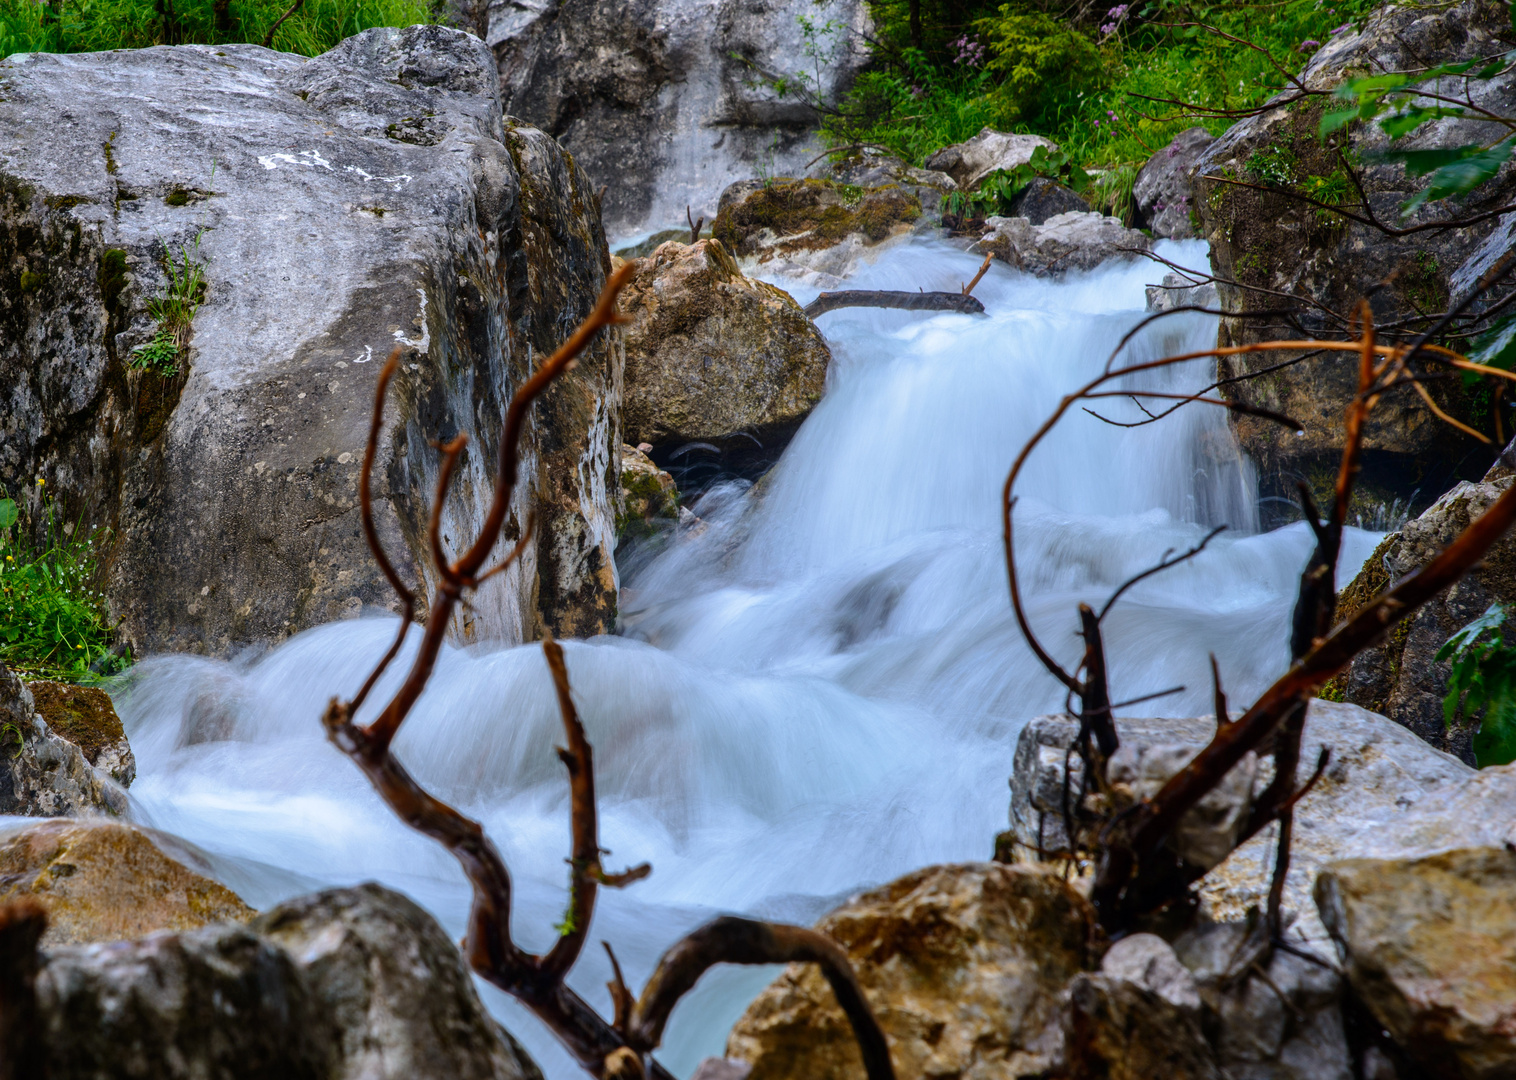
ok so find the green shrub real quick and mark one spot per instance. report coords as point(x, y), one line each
point(1482, 684)
point(52, 619)
point(68, 26)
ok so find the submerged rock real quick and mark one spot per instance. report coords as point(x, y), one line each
point(338, 207)
point(1069, 241)
point(1271, 239)
point(716, 356)
point(970, 162)
point(349, 984)
point(1428, 947)
point(1164, 189)
point(42, 774)
point(101, 881)
point(963, 966)
point(85, 717)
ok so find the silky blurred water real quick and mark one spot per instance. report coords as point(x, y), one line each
point(817, 689)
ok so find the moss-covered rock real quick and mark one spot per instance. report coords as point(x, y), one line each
point(785, 217)
point(85, 717)
point(102, 881)
point(648, 494)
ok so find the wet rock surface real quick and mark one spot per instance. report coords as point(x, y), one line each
point(85, 717)
point(101, 881)
point(364, 200)
point(968, 163)
point(714, 356)
point(1428, 948)
point(346, 984)
point(1164, 189)
point(649, 494)
point(1269, 239)
point(1070, 241)
point(963, 966)
point(41, 773)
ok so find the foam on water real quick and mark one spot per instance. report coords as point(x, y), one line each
point(818, 690)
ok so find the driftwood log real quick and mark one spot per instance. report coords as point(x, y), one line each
point(908, 301)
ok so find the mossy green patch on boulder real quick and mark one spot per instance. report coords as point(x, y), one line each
point(83, 715)
point(787, 216)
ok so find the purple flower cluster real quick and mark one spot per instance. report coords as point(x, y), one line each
point(1340, 29)
point(970, 51)
point(1114, 17)
point(1308, 45)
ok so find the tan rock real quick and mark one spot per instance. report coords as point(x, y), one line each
point(964, 966)
point(816, 225)
point(711, 352)
point(85, 717)
point(1430, 946)
point(101, 881)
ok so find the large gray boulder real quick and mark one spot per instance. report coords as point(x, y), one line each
point(666, 102)
point(969, 162)
point(349, 984)
point(43, 774)
point(1271, 240)
point(341, 206)
point(1164, 190)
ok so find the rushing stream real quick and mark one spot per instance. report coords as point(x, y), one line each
point(818, 690)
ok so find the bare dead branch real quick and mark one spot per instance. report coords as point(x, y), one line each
point(1164, 562)
point(268, 38)
point(983, 268)
point(883, 298)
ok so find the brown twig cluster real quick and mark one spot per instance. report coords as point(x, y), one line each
point(1138, 873)
point(619, 1048)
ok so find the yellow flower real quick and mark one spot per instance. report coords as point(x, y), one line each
point(40, 481)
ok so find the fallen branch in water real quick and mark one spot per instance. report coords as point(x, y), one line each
point(907, 301)
point(983, 268)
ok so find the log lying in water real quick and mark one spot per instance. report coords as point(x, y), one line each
point(911, 301)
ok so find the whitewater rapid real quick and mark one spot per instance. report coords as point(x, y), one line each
point(815, 690)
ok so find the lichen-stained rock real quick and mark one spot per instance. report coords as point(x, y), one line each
point(85, 717)
point(342, 206)
point(711, 353)
point(395, 988)
point(1430, 948)
point(970, 162)
point(867, 167)
point(1070, 241)
point(1118, 1030)
point(963, 966)
point(1400, 676)
point(1164, 190)
point(649, 494)
point(42, 774)
point(1270, 239)
point(818, 225)
point(102, 881)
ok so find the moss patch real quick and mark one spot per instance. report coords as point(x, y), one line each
point(812, 214)
point(83, 715)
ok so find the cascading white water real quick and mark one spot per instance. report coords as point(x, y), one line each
point(818, 690)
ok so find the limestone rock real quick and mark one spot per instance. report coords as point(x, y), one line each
point(1163, 190)
point(349, 984)
point(1429, 949)
point(1208, 831)
point(868, 167)
point(712, 354)
point(101, 881)
point(1177, 290)
point(341, 207)
point(1117, 1030)
point(45, 775)
point(1401, 676)
point(649, 494)
point(394, 986)
point(1150, 962)
point(1267, 239)
point(1382, 780)
point(963, 966)
point(667, 101)
point(970, 162)
point(85, 717)
point(1043, 199)
point(1070, 241)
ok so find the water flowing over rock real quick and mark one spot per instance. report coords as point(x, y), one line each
point(963, 966)
point(350, 984)
point(666, 102)
point(1071, 241)
point(1381, 779)
point(340, 207)
point(1179, 290)
point(1271, 240)
point(716, 356)
point(101, 881)
point(1400, 676)
point(47, 775)
point(1164, 189)
point(970, 162)
point(1428, 948)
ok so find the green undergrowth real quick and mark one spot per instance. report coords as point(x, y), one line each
point(67, 26)
point(52, 618)
point(1089, 86)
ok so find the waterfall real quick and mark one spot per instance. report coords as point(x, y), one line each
point(818, 687)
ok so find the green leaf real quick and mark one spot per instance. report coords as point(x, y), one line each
point(1493, 619)
point(1461, 175)
point(8, 513)
point(1495, 741)
point(1421, 162)
point(1498, 347)
point(1403, 123)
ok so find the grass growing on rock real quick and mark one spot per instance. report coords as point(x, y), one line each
point(98, 25)
point(52, 619)
point(174, 311)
